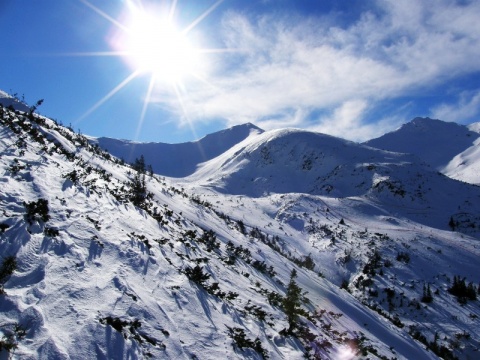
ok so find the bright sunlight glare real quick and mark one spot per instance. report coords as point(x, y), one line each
point(152, 44)
point(148, 39)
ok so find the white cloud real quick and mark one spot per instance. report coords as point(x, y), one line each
point(347, 122)
point(466, 108)
point(292, 119)
point(287, 67)
point(346, 118)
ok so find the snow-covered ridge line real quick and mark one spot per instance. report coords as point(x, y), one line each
point(9, 101)
point(179, 160)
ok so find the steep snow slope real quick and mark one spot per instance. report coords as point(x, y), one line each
point(448, 147)
point(474, 127)
point(380, 257)
point(179, 160)
point(466, 165)
point(98, 277)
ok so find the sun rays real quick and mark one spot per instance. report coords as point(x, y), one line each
point(150, 42)
point(154, 45)
point(110, 94)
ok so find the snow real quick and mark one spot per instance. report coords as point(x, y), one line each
point(178, 160)
point(466, 165)
point(112, 259)
point(450, 148)
point(7, 100)
point(474, 127)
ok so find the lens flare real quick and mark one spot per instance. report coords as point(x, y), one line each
point(154, 45)
point(150, 42)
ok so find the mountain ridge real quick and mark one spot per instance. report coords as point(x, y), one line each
point(9, 100)
point(179, 160)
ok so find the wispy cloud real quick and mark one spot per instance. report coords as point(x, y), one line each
point(292, 66)
point(466, 108)
point(347, 116)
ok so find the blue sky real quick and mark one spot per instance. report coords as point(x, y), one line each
point(354, 69)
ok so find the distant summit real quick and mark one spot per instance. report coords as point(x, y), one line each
point(434, 141)
point(179, 160)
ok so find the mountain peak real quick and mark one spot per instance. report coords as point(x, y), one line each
point(428, 124)
point(289, 161)
point(248, 125)
point(424, 119)
point(233, 134)
point(434, 141)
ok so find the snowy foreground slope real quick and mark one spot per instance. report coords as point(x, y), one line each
point(201, 268)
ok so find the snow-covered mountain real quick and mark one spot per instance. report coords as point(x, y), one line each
point(102, 260)
point(178, 160)
point(449, 147)
point(297, 161)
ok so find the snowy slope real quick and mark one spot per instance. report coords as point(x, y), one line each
point(8, 100)
point(179, 160)
point(466, 165)
point(103, 278)
point(474, 127)
point(449, 147)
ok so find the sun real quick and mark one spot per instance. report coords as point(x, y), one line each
point(151, 43)
point(146, 36)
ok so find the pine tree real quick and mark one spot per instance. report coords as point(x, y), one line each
point(197, 275)
point(139, 165)
point(427, 294)
point(139, 189)
point(292, 302)
point(9, 265)
point(461, 290)
point(37, 209)
point(452, 223)
point(308, 262)
point(150, 170)
point(471, 293)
